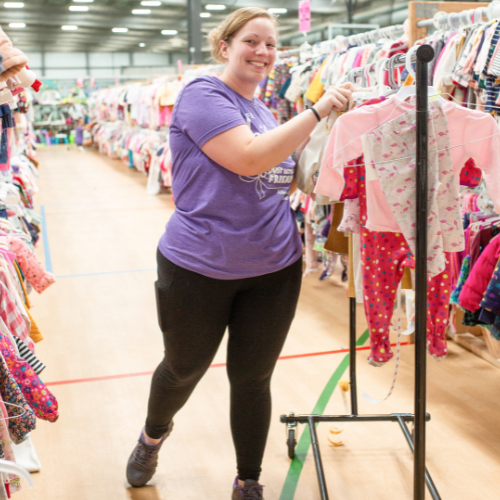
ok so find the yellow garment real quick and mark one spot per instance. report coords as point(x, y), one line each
point(26, 299)
point(408, 82)
point(406, 283)
point(460, 46)
point(337, 242)
point(316, 89)
point(35, 333)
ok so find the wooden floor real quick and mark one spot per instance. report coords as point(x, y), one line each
point(99, 321)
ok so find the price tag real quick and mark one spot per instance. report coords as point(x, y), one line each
point(305, 16)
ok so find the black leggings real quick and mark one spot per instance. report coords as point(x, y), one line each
point(193, 313)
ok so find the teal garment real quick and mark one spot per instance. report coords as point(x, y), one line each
point(464, 274)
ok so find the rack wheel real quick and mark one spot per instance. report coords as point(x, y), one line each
point(291, 443)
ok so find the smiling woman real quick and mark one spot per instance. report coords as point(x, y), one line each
point(231, 255)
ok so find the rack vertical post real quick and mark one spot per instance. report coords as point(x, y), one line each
point(416, 443)
point(425, 54)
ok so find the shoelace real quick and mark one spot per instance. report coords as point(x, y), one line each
point(252, 492)
point(143, 455)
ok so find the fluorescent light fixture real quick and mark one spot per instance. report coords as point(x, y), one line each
point(169, 32)
point(78, 8)
point(277, 11)
point(142, 45)
point(69, 27)
point(119, 30)
point(150, 3)
point(83, 1)
point(141, 12)
point(13, 5)
point(215, 6)
point(17, 25)
point(205, 14)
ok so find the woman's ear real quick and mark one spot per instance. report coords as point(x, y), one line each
point(223, 48)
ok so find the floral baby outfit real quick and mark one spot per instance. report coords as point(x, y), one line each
point(40, 399)
point(396, 140)
point(23, 419)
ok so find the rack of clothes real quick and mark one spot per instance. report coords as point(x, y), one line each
point(365, 159)
point(131, 123)
point(385, 251)
point(24, 398)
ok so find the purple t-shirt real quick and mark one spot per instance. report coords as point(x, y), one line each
point(226, 226)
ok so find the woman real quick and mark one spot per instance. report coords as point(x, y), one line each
point(231, 255)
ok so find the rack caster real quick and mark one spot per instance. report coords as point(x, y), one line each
point(291, 431)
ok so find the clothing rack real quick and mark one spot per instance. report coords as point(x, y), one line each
point(340, 41)
point(424, 11)
point(416, 440)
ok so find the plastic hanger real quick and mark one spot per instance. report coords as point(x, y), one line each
point(13, 468)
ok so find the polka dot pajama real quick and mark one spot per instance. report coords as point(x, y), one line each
point(384, 256)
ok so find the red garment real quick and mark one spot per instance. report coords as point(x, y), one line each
point(384, 256)
point(479, 277)
point(36, 84)
point(470, 175)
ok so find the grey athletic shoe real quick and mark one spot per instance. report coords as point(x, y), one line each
point(251, 491)
point(142, 463)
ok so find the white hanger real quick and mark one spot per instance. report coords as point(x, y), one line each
point(405, 92)
point(13, 468)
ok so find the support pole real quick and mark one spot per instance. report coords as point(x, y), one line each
point(195, 55)
point(425, 54)
point(428, 479)
point(317, 457)
point(352, 356)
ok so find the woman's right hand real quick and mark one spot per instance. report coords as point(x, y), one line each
point(335, 98)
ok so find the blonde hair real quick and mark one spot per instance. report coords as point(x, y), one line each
point(232, 24)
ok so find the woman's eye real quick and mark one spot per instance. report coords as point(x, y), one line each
point(250, 41)
point(271, 45)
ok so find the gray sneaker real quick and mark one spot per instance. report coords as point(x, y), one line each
point(142, 463)
point(251, 491)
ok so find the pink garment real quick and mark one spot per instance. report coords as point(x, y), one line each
point(465, 126)
point(39, 398)
point(471, 58)
point(398, 179)
point(13, 59)
point(11, 316)
point(13, 480)
point(30, 265)
point(480, 275)
point(383, 259)
point(311, 254)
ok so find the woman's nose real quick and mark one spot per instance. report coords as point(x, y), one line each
point(261, 48)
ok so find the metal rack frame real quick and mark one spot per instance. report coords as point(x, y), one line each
point(416, 440)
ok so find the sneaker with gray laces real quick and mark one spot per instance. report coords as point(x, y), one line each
point(251, 491)
point(142, 463)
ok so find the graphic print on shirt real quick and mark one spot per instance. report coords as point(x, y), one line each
point(278, 178)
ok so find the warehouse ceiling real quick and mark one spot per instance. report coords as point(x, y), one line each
point(44, 20)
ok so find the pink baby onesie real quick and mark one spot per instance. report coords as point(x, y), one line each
point(30, 265)
point(476, 131)
point(396, 140)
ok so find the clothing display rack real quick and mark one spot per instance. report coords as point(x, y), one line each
point(327, 46)
point(420, 14)
point(417, 439)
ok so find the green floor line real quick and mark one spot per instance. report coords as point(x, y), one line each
point(292, 478)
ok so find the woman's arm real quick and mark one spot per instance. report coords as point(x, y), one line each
point(241, 152)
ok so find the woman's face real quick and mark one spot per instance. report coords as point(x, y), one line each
point(252, 52)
